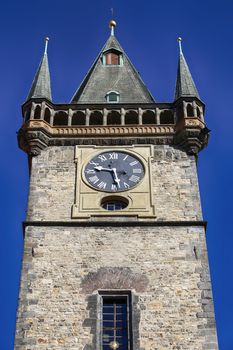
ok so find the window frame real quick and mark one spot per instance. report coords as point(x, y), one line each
point(113, 92)
point(114, 295)
point(104, 58)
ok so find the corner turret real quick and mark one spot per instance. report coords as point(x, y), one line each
point(191, 132)
point(41, 86)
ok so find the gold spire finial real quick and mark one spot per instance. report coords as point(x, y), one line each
point(179, 39)
point(46, 44)
point(112, 25)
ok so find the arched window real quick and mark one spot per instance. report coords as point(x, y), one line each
point(78, 118)
point(60, 119)
point(114, 118)
point(148, 117)
point(47, 115)
point(166, 117)
point(113, 97)
point(96, 118)
point(190, 111)
point(37, 112)
point(131, 117)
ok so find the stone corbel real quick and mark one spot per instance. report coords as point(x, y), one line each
point(32, 142)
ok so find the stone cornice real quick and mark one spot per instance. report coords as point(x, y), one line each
point(47, 124)
point(99, 130)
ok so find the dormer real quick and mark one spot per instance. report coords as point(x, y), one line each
point(113, 97)
point(112, 57)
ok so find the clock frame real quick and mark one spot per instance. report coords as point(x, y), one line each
point(113, 171)
point(88, 200)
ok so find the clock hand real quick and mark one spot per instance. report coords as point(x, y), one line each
point(116, 178)
point(99, 168)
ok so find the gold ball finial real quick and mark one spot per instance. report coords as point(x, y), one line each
point(112, 23)
point(179, 39)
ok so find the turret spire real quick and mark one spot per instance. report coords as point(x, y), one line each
point(185, 85)
point(41, 87)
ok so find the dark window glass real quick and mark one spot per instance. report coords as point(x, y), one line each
point(112, 97)
point(115, 323)
point(114, 205)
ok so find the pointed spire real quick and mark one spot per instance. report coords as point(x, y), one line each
point(41, 87)
point(121, 77)
point(185, 85)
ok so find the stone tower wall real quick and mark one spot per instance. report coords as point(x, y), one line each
point(166, 267)
point(174, 176)
point(164, 264)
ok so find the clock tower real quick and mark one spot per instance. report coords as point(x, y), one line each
point(115, 252)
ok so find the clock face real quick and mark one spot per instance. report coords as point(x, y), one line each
point(114, 171)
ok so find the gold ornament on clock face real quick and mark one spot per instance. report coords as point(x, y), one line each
point(114, 171)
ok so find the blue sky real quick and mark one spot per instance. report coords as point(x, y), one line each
point(147, 31)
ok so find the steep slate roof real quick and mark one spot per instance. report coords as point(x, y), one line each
point(185, 85)
point(41, 86)
point(123, 79)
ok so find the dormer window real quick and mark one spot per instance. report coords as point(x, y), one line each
point(112, 58)
point(113, 97)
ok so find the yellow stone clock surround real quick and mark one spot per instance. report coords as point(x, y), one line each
point(88, 200)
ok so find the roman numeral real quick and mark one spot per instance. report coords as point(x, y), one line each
point(137, 171)
point(113, 155)
point(102, 185)
point(134, 178)
point(114, 187)
point(125, 157)
point(93, 163)
point(102, 157)
point(126, 185)
point(133, 163)
point(90, 171)
point(94, 179)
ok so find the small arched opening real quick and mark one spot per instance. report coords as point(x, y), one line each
point(96, 118)
point(148, 117)
point(198, 112)
point(47, 115)
point(114, 118)
point(60, 119)
point(131, 117)
point(166, 117)
point(78, 118)
point(37, 112)
point(190, 110)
